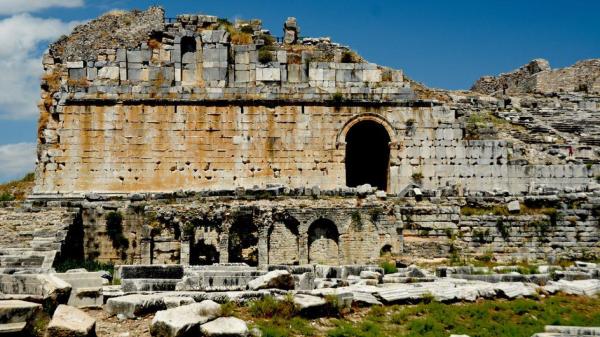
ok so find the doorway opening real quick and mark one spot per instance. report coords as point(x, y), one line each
point(367, 155)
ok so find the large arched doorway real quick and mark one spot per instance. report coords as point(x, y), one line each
point(323, 242)
point(367, 155)
point(243, 241)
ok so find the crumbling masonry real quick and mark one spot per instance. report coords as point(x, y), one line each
point(195, 141)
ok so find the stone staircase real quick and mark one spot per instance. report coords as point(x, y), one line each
point(31, 239)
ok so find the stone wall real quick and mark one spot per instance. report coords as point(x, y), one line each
point(538, 77)
point(289, 231)
point(567, 230)
point(202, 104)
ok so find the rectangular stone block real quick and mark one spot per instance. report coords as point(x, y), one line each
point(75, 65)
point(111, 73)
point(150, 271)
point(77, 73)
point(268, 74)
point(134, 56)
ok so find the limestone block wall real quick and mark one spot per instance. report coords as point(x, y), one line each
point(442, 231)
point(148, 148)
point(203, 232)
point(164, 148)
point(19, 226)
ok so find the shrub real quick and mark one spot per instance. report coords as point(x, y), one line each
point(114, 230)
point(417, 176)
point(503, 229)
point(247, 29)
point(188, 229)
point(228, 309)
point(389, 267)
point(7, 197)
point(264, 55)
point(89, 265)
point(356, 220)
point(481, 235)
point(337, 98)
point(268, 39)
point(349, 57)
point(269, 307)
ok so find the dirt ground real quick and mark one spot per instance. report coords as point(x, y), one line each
point(107, 326)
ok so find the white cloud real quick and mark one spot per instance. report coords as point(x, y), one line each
point(21, 37)
point(16, 160)
point(9, 7)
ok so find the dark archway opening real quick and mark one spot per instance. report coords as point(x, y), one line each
point(367, 155)
point(188, 50)
point(243, 241)
point(204, 242)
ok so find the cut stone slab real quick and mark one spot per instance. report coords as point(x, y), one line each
point(91, 297)
point(515, 289)
point(15, 311)
point(138, 285)
point(226, 327)
point(514, 206)
point(71, 322)
point(174, 302)
point(573, 330)
point(132, 306)
point(309, 305)
point(12, 328)
point(579, 287)
point(184, 320)
point(150, 272)
point(276, 279)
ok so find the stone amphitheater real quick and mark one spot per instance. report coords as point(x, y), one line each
point(213, 161)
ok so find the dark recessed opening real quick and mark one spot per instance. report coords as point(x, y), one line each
point(367, 155)
point(243, 241)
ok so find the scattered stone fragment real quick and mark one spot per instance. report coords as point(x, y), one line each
point(132, 306)
point(276, 279)
point(309, 305)
point(16, 311)
point(184, 320)
point(225, 327)
point(71, 322)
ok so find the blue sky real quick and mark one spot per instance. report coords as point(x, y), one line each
point(445, 44)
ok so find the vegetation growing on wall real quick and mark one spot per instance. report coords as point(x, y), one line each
point(114, 230)
point(17, 189)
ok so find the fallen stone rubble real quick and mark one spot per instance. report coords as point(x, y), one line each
point(183, 312)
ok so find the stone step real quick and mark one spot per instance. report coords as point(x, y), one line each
point(15, 311)
point(149, 272)
point(21, 261)
point(573, 330)
point(12, 328)
point(138, 285)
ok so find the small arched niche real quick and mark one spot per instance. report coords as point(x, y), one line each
point(323, 242)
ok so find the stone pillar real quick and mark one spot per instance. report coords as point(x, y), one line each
point(303, 248)
point(146, 251)
point(291, 31)
point(224, 248)
point(184, 253)
point(263, 247)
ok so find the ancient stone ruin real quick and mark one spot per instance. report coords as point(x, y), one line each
point(220, 147)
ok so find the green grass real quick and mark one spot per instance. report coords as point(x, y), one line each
point(269, 307)
point(500, 318)
point(63, 266)
point(389, 267)
point(517, 318)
